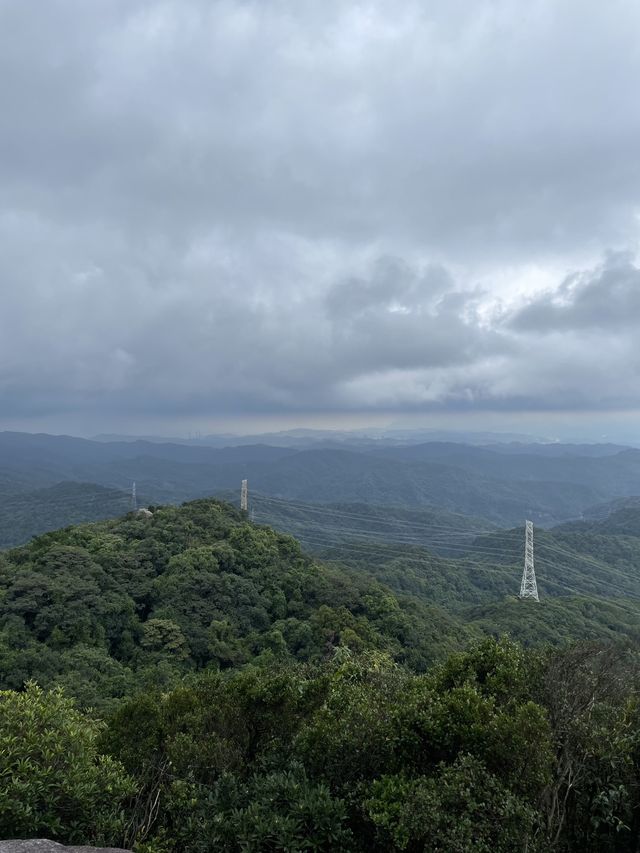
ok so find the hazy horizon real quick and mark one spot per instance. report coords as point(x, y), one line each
point(570, 429)
point(237, 216)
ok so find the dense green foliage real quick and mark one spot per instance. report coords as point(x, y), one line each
point(495, 749)
point(359, 755)
point(589, 588)
point(255, 699)
point(53, 782)
point(109, 608)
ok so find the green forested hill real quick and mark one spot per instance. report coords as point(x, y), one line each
point(456, 560)
point(111, 607)
point(108, 607)
point(557, 620)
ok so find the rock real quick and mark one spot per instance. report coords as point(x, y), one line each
point(41, 845)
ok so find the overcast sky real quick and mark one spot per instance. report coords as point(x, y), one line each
point(277, 212)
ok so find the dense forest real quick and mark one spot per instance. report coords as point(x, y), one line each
point(104, 608)
point(192, 681)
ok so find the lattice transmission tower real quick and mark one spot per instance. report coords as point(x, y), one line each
point(244, 496)
point(134, 498)
point(529, 587)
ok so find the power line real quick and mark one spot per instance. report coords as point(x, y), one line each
point(505, 574)
point(442, 540)
point(437, 539)
point(328, 541)
point(329, 510)
point(583, 558)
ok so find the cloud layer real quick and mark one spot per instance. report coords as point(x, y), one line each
point(233, 207)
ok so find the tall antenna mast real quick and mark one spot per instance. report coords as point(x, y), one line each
point(134, 499)
point(244, 496)
point(529, 587)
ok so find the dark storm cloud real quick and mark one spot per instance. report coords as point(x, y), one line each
point(247, 206)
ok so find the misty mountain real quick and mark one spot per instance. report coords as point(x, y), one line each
point(326, 476)
point(302, 438)
point(603, 467)
point(30, 513)
point(548, 484)
point(603, 511)
point(554, 450)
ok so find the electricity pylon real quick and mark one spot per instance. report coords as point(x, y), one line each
point(244, 496)
point(529, 587)
point(134, 499)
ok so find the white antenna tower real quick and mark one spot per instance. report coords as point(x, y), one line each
point(134, 499)
point(529, 587)
point(244, 496)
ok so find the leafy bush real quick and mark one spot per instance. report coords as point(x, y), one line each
point(53, 782)
point(278, 811)
point(461, 809)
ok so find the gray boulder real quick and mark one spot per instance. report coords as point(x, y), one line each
point(41, 845)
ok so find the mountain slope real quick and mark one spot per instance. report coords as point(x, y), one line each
point(616, 472)
point(113, 607)
point(110, 608)
point(30, 513)
point(329, 476)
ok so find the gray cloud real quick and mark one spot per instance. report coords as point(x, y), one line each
point(236, 206)
point(605, 298)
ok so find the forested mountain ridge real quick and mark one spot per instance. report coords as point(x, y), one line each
point(101, 608)
point(109, 607)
